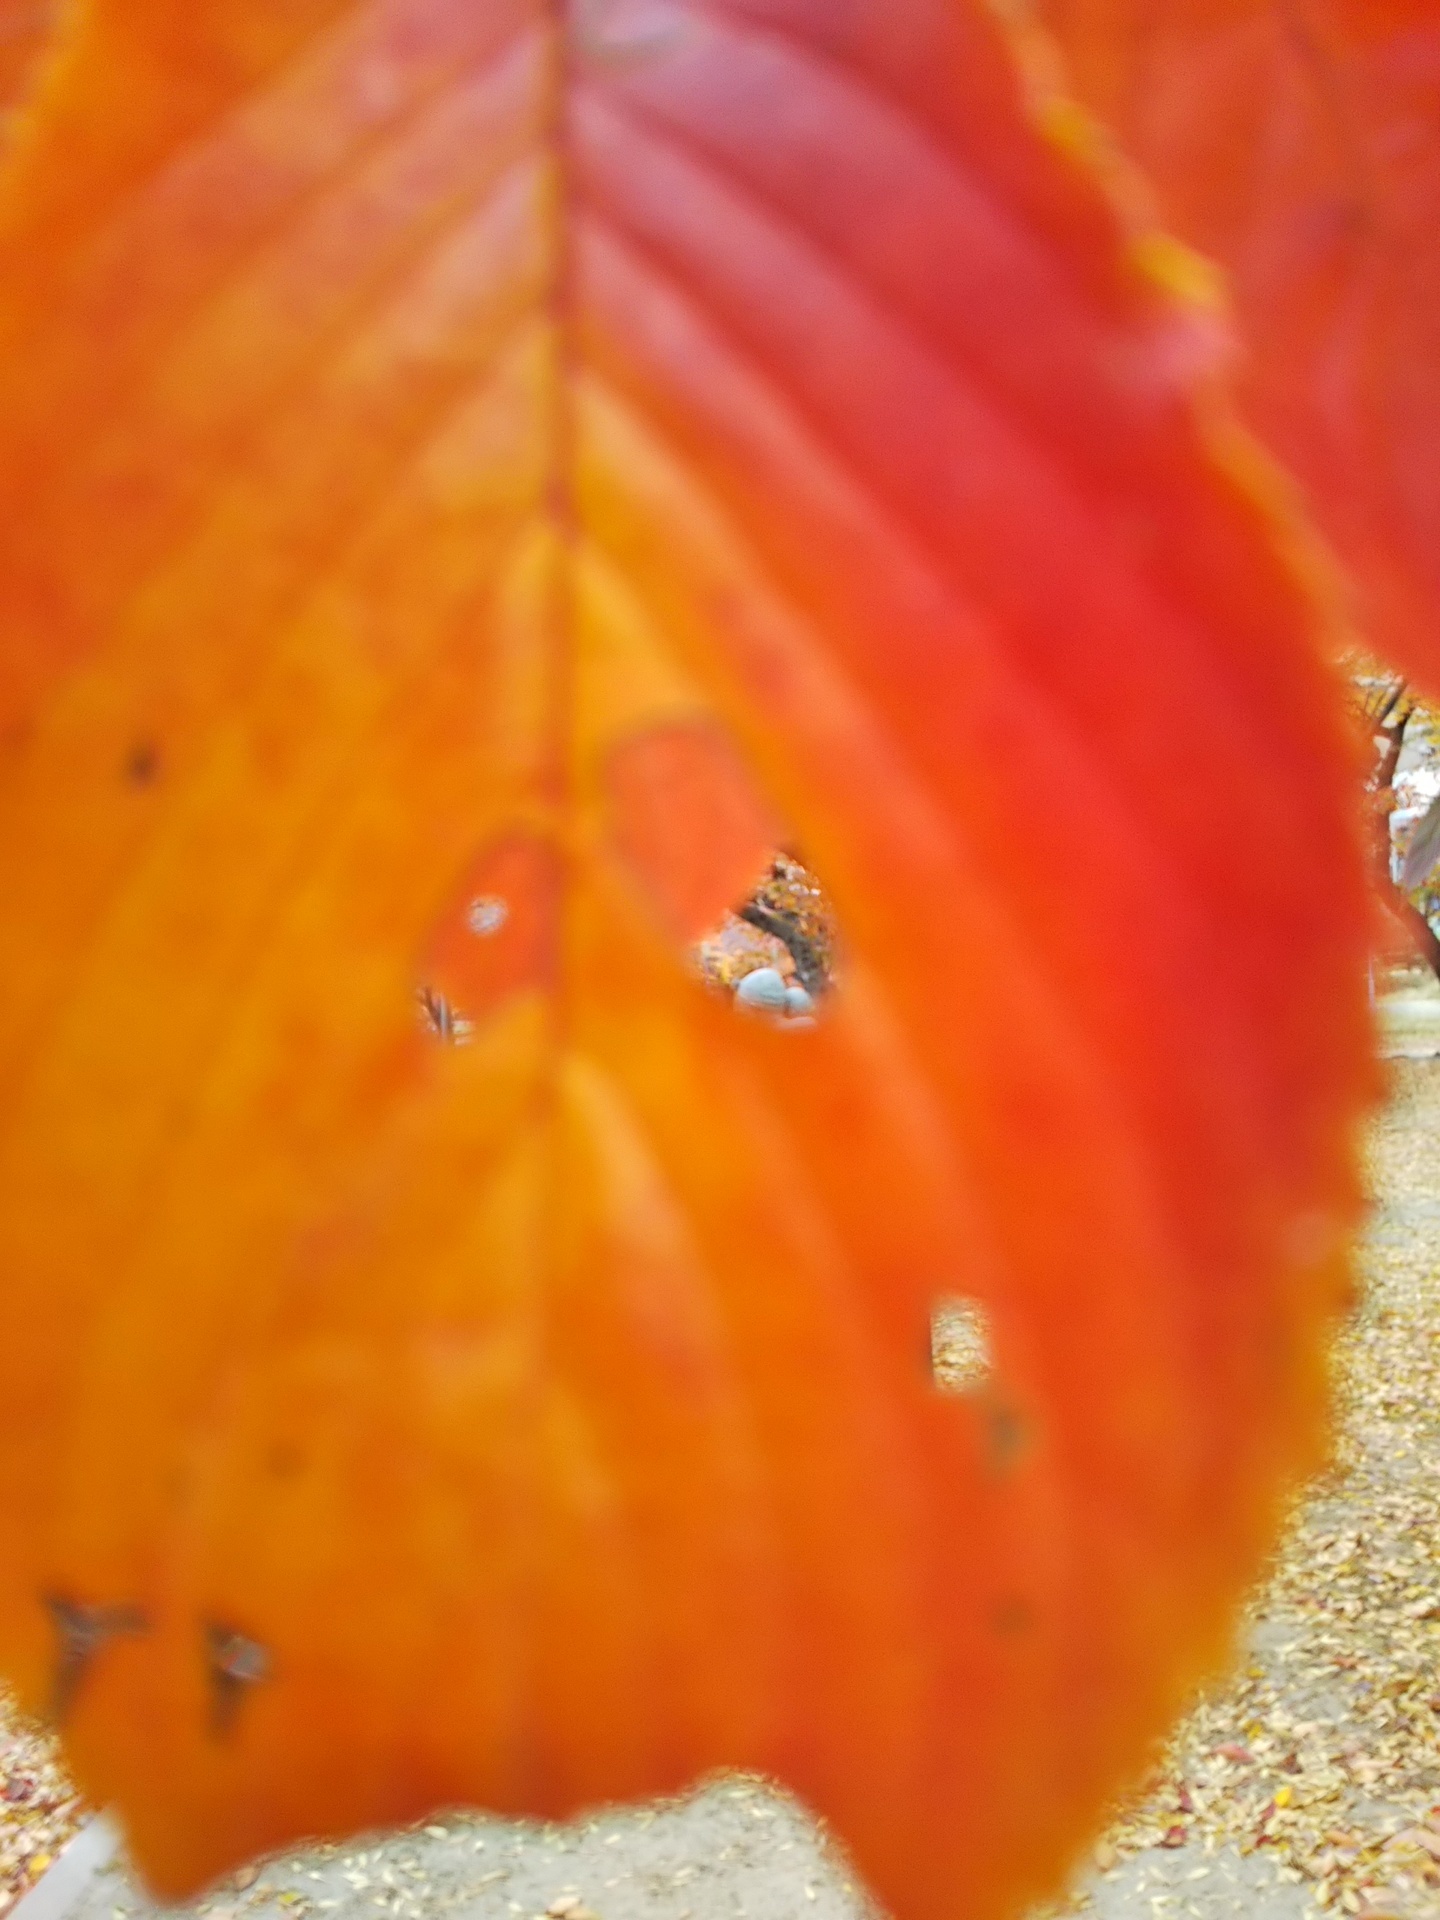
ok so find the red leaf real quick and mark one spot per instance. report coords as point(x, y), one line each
point(418, 421)
point(1301, 146)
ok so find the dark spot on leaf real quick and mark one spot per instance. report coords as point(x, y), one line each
point(142, 763)
point(81, 1631)
point(1007, 1436)
point(235, 1663)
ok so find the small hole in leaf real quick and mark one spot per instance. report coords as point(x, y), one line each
point(440, 1018)
point(775, 950)
point(486, 915)
point(495, 935)
point(962, 1358)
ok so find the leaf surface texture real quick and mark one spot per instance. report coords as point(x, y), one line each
point(1300, 145)
point(474, 474)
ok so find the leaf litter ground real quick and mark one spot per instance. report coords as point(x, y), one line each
point(39, 1808)
point(1319, 1761)
point(1323, 1752)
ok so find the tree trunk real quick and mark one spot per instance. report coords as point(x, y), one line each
point(1410, 916)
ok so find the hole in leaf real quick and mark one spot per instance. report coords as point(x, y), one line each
point(235, 1663)
point(775, 950)
point(487, 915)
point(441, 1019)
point(495, 937)
point(962, 1356)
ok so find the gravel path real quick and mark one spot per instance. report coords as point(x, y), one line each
point(1311, 1783)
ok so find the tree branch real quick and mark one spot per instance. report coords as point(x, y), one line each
point(1392, 698)
point(1394, 746)
point(786, 929)
point(1420, 929)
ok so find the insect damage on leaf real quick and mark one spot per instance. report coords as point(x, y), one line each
point(961, 1347)
point(236, 1663)
point(82, 1632)
point(519, 469)
point(776, 949)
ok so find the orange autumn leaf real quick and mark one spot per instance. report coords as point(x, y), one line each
point(26, 27)
point(464, 1360)
point(1300, 145)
